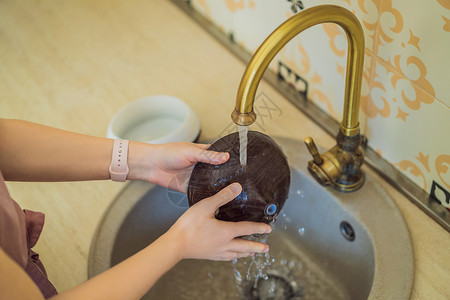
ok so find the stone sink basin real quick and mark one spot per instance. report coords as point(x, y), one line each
point(325, 245)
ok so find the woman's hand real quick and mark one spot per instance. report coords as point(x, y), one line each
point(170, 165)
point(200, 235)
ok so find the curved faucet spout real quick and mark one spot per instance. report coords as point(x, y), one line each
point(341, 165)
point(244, 114)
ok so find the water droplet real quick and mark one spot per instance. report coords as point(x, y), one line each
point(301, 231)
point(291, 264)
point(238, 276)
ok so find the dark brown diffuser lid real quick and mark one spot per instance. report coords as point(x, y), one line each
point(265, 179)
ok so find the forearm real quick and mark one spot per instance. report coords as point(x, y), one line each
point(132, 278)
point(32, 152)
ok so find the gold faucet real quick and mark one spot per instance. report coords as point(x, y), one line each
point(341, 165)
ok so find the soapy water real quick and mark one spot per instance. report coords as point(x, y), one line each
point(257, 263)
point(243, 132)
point(202, 279)
point(285, 257)
point(257, 267)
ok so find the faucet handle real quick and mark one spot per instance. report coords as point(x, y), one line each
point(313, 150)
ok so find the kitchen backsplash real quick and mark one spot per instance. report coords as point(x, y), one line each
point(405, 100)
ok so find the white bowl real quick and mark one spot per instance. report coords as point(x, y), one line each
point(156, 120)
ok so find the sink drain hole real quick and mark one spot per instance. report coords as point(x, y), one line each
point(347, 231)
point(276, 286)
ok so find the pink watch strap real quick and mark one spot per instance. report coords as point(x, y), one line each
point(118, 169)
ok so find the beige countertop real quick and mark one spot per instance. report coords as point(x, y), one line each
point(73, 64)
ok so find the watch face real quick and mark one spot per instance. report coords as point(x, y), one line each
point(265, 179)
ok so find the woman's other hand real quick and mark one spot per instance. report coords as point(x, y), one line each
point(170, 165)
point(200, 235)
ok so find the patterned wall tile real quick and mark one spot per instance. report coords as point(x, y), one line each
point(415, 141)
point(312, 58)
point(256, 20)
point(405, 96)
point(366, 11)
point(414, 39)
point(217, 12)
